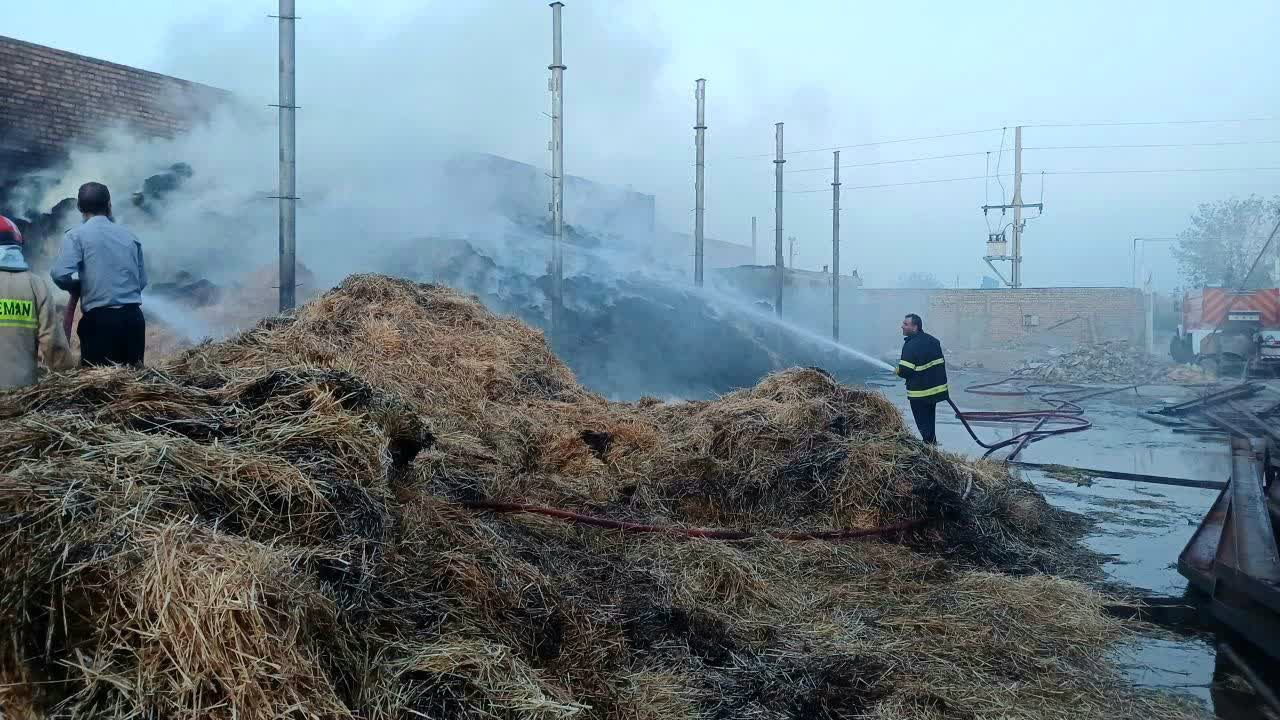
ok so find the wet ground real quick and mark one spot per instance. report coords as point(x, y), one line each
point(1141, 526)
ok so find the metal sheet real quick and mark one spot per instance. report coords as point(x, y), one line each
point(1195, 563)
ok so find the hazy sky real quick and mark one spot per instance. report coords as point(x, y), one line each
point(374, 76)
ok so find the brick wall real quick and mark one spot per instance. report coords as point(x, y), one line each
point(983, 318)
point(962, 319)
point(51, 99)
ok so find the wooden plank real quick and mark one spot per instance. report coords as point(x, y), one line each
point(1118, 475)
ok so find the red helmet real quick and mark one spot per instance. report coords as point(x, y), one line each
point(9, 232)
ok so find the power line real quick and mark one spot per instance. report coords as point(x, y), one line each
point(894, 162)
point(986, 193)
point(1169, 170)
point(1156, 145)
point(1154, 122)
point(1043, 147)
point(1043, 172)
point(915, 182)
point(999, 157)
point(1040, 210)
point(866, 144)
point(1042, 125)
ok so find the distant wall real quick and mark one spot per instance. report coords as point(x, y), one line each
point(870, 318)
point(51, 99)
point(983, 318)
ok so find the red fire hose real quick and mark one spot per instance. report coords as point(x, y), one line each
point(1066, 413)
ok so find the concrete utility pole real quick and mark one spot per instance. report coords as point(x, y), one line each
point(778, 162)
point(755, 258)
point(557, 170)
point(288, 191)
point(1016, 273)
point(699, 142)
point(835, 248)
point(996, 241)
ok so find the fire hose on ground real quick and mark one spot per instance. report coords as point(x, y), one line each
point(1067, 414)
point(1064, 416)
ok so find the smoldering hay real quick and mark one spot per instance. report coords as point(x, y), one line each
point(285, 524)
point(629, 326)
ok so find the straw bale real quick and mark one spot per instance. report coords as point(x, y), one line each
point(275, 525)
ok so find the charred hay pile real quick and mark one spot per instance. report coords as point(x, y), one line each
point(282, 525)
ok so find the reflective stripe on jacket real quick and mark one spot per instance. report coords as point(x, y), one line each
point(923, 367)
point(29, 326)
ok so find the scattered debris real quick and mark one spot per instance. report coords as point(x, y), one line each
point(1198, 404)
point(277, 525)
point(966, 364)
point(1110, 361)
point(1189, 375)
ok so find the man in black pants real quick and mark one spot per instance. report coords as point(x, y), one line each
point(101, 261)
point(925, 371)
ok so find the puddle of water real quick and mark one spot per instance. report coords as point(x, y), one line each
point(1142, 527)
point(1174, 665)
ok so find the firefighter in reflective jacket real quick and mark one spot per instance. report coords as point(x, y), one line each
point(924, 370)
point(29, 328)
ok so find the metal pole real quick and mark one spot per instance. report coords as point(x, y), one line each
point(835, 248)
point(755, 257)
point(557, 171)
point(778, 162)
point(700, 144)
point(288, 192)
point(1134, 271)
point(791, 251)
point(1017, 207)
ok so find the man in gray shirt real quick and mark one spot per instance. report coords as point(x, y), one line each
point(101, 262)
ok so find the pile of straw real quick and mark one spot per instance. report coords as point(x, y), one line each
point(278, 526)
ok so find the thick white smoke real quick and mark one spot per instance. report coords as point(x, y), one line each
point(384, 121)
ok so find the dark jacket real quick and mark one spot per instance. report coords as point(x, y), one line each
point(923, 367)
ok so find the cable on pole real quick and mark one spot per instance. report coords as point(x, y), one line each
point(866, 144)
point(1154, 145)
point(1000, 156)
point(1155, 122)
point(892, 162)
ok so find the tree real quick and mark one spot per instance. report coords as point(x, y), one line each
point(919, 280)
point(1223, 241)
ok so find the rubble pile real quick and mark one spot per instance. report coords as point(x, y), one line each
point(376, 507)
point(1189, 375)
point(1109, 361)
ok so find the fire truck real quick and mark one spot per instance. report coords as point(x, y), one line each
point(1230, 332)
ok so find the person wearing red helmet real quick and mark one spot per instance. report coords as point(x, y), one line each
point(29, 327)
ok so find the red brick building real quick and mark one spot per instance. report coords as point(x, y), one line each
point(51, 99)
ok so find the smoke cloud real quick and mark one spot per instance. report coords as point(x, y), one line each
point(392, 132)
